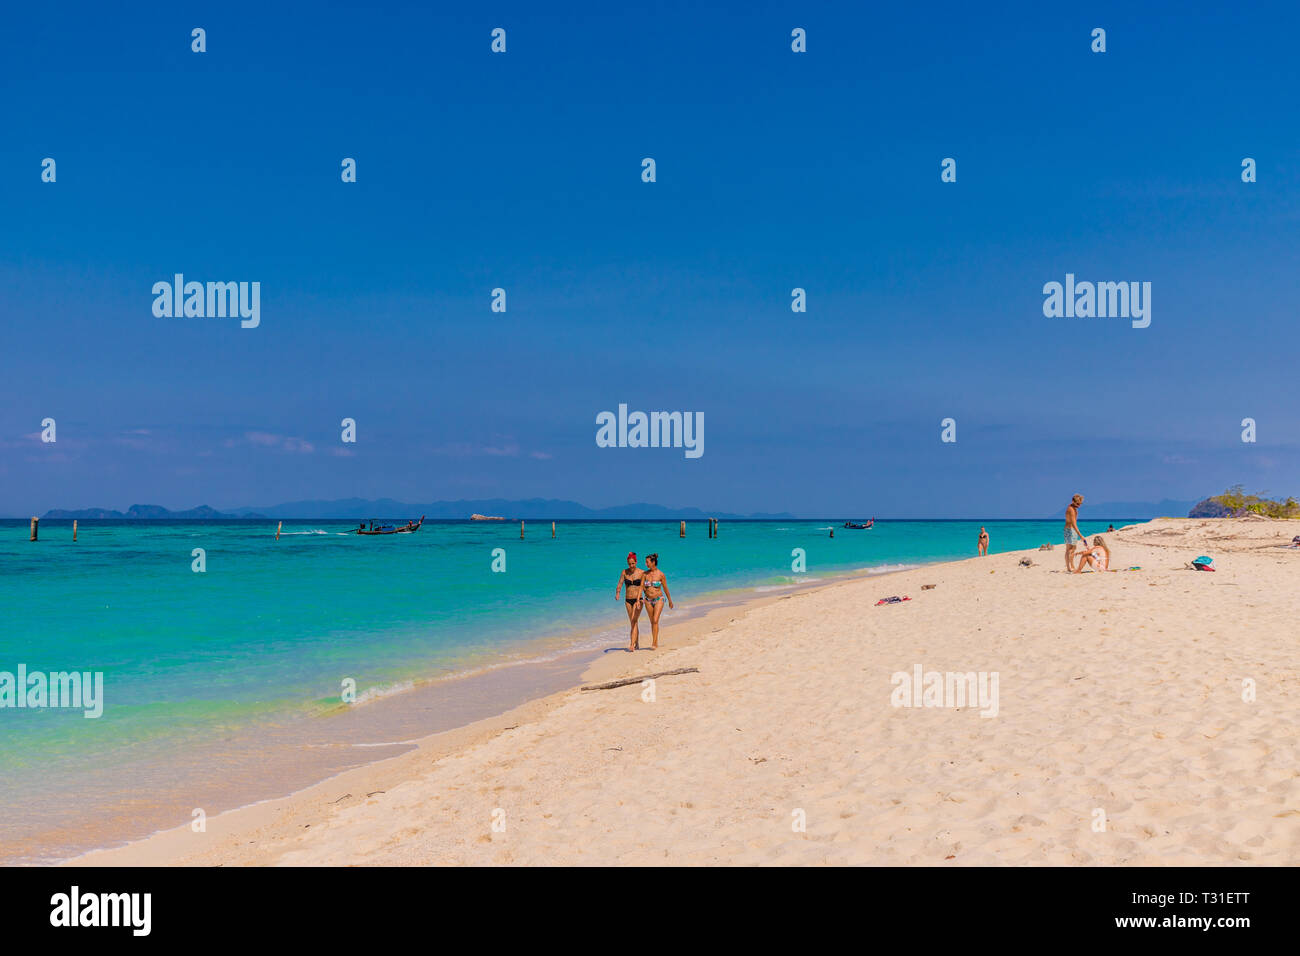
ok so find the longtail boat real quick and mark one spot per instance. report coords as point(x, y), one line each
point(409, 528)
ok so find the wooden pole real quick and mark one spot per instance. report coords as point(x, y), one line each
point(681, 535)
point(74, 529)
point(552, 529)
point(35, 523)
point(277, 530)
point(715, 527)
point(521, 531)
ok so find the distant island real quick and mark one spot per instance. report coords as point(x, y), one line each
point(360, 509)
point(532, 509)
point(144, 513)
point(1233, 503)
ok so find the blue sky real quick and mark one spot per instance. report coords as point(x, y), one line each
point(775, 170)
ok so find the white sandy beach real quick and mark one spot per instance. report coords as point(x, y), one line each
point(1120, 694)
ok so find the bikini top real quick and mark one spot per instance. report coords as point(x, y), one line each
point(634, 582)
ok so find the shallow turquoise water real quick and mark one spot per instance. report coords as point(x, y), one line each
point(271, 629)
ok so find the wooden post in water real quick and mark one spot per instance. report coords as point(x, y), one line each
point(552, 529)
point(521, 530)
point(35, 524)
point(277, 530)
point(683, 531)
point(74, 529)
point(715, 527)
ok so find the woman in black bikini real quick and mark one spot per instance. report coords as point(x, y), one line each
point(631, 578)
point(655, 591)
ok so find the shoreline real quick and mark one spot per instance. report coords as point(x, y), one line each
point(1121, 692)
point(576, 663)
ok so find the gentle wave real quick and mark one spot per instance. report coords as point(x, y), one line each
point(887, 568)
point(799, 582)
point(383, 690)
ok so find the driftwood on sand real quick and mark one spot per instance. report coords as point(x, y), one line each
point(637, 680)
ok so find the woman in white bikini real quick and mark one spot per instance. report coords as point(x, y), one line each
point(1098, 558)
point(654, 591)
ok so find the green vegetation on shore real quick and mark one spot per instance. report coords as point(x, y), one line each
point(1235, 502)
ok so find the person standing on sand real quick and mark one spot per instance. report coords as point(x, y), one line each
point(631, 577)
point(983, 543)
point(656, 591)
point(1072, 534)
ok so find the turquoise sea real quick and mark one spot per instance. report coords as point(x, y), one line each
point(201, 668)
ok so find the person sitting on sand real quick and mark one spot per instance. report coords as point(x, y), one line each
point(656, 590)
point(1098, 558)
point(983, 543)
point(1073, 535)
point(631, 577)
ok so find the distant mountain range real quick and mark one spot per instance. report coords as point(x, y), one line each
point(144, 513)
point(531, 509)
point(534, 509)
point(528, 508)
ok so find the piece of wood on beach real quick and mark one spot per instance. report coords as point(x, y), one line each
point(36, 522)
point(636, 680)
point(683, 531)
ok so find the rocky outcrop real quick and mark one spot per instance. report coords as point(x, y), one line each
point(1210, 508)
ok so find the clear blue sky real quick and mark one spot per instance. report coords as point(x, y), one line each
point(775, 170)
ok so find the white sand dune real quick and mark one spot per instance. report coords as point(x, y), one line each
point(1120, 694)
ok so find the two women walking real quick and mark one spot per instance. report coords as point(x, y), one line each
point(642, 589)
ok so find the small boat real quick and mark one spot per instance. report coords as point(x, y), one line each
point(859, 527)
point(409, 528)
